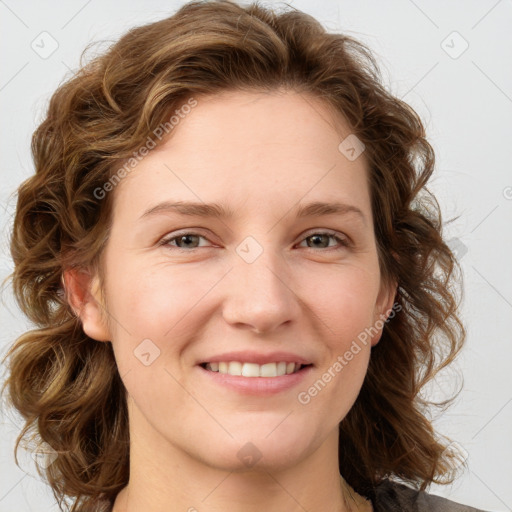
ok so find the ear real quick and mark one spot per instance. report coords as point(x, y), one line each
point(83, 293)
point(383, 308)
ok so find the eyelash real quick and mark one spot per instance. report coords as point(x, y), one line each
point(344, 242)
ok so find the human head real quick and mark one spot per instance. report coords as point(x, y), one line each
point(95, 123)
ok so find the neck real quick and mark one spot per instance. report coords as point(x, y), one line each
point(163, 478)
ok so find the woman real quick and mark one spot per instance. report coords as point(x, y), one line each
point(237, 273)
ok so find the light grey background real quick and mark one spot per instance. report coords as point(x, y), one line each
point(465, 99)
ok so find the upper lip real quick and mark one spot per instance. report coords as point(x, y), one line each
point(257, 357)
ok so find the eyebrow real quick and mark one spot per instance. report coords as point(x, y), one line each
point(215, 210)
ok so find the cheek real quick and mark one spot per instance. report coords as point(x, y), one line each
point(151, 299)
point(345, 306)
point(156, 310)
point(344, 299)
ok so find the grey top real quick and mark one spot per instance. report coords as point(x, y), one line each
point(396, 497)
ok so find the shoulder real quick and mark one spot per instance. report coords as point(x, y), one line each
point(396, 497)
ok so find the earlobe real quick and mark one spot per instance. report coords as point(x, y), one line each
point(83, 294)
point(383, 309)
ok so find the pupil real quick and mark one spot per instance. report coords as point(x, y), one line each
point(325, 237)
point(187, 238)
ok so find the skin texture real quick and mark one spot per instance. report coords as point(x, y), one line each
point(261, 155)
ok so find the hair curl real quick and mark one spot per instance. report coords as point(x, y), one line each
point(67, 387)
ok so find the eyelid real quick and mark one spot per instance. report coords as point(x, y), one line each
point(324, 231)
point(176, 234)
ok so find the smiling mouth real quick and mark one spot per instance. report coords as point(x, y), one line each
point(240, 369)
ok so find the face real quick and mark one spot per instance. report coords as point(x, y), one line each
point(263, 284)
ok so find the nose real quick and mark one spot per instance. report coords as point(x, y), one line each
point(259, 296)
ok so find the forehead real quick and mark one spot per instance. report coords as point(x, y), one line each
point(251, 118)
point(249, 147)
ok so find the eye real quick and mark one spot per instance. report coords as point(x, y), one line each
point(188, 240)
point(321, 240)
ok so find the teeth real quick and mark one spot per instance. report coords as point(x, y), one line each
point(248, 369)
point(253, 369)
point(234, 368)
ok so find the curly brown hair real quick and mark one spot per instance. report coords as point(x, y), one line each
point(67, 387)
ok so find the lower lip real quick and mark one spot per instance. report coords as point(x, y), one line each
point(258, 385)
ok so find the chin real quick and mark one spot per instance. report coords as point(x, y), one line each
point(255, 451)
